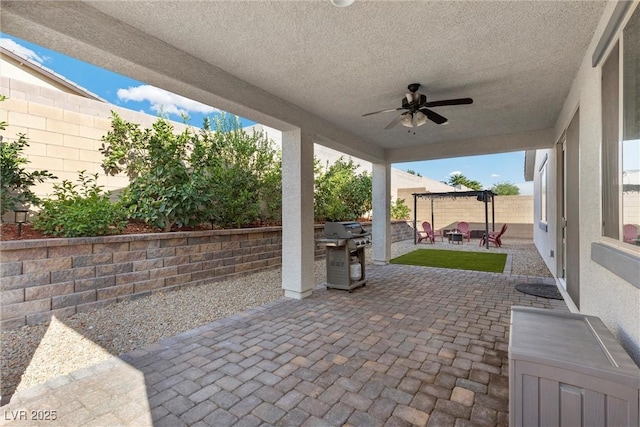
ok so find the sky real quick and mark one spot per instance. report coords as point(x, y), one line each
point(139, 96)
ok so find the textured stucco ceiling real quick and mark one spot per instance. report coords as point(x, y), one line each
point(309, 62)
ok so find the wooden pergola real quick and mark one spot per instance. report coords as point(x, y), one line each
point(481, 196)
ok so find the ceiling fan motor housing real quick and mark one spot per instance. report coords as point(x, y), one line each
point(418, 100)
point(418, 110)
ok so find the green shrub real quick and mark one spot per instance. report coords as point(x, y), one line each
point(165, 190)
point(226, 175)
point(16, 182)
point(245, 172)
point(80, 210)
point(340, 193)
point(399, 210)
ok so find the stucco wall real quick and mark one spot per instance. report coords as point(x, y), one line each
point(545, 240)
point(602, 293)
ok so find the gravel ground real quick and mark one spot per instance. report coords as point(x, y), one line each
point(35, 354)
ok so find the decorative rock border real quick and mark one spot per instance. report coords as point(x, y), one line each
point(42, 278)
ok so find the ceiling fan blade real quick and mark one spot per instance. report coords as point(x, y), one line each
point(459, 101)
point(394, 121)
point(434, 117)
point(383, 111)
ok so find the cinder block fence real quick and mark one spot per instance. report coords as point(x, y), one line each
point(42, 278)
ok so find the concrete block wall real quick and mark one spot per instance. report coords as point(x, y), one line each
point(401, 230)
point(64, 131)
point(41, 278)
point(448, 211)
point(61, 277)
point(631, 208)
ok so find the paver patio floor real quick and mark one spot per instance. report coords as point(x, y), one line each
point(416, 346)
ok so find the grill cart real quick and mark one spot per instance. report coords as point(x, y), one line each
point(345, 243)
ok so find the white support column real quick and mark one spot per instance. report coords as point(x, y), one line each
point(297, 214)
point(381, 213)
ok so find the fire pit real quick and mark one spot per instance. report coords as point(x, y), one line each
point(345, 243)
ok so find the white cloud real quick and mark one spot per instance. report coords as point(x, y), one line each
point(21, 50)
point(455, 173)
point(495, 175)
point(163, 101)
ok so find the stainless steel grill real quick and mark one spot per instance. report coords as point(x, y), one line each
point(345, 243)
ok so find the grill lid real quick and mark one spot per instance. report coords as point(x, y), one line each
point(344, 230)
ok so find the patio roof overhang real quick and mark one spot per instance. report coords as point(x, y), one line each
point(312, 70)
point(314, 66)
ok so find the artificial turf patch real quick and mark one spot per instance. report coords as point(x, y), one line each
point(459, 260)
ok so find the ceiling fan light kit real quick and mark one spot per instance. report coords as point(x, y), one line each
point(342, 3)
point(418, 112)
point(411, 120)
point(420, 118)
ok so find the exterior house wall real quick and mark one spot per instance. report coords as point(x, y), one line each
point(544, 239)
point(602, 292)
point(14, 71)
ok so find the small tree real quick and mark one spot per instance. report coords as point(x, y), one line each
point(399, 210)
point(15, 181)
point(165, 189)
point(505, 189)
point(340, 193)
point(459, 179)
point(223, 175)
point(245, 173)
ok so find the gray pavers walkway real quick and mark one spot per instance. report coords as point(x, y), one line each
point(416, 346)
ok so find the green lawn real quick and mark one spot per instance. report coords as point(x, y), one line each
point(458, 260)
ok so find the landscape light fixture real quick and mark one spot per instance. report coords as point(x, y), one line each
point(342, 3)
point(20, 217)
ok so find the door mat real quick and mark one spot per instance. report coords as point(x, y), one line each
point(540, 290)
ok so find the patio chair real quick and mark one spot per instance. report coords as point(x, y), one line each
point(464, 229)
point(428, 233)
point(629, 233)
point(494, 237)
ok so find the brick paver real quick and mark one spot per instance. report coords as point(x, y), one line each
point(416, 346)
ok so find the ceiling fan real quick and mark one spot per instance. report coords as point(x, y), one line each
point(418, 111)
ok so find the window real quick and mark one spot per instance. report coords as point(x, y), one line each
point(621, 136)
point(543, 194)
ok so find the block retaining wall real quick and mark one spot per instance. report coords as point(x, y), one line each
point(42, 278)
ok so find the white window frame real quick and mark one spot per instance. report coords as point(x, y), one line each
point(618, 40)
point(543, 209)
